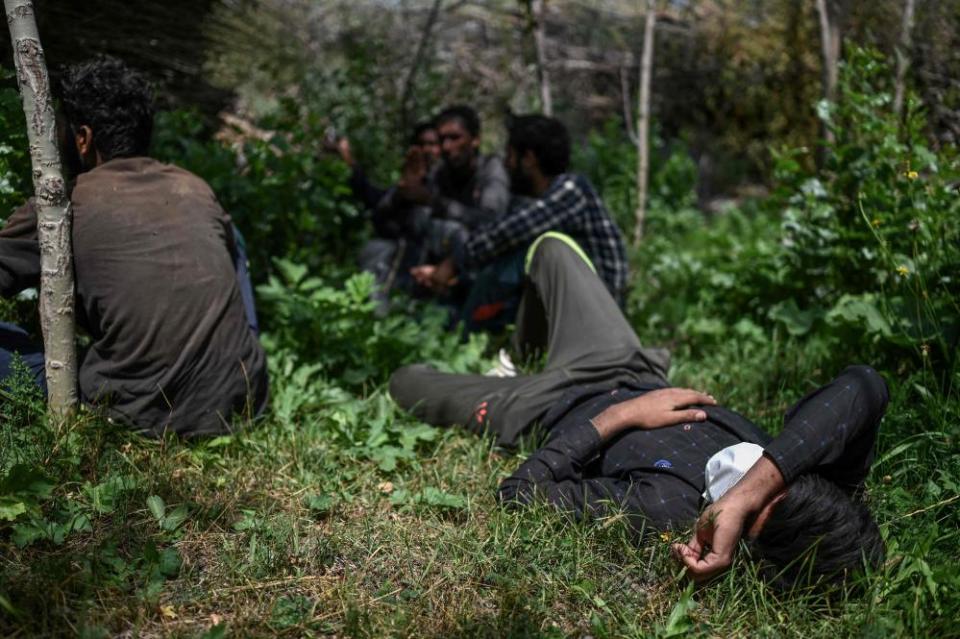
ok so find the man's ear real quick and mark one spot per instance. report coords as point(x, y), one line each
point(83, 137)
point(86, 149)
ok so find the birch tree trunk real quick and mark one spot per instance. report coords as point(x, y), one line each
point(830, 44)
point(903, 56)
point(643, 121)
point(53, 209)
point(537, 10)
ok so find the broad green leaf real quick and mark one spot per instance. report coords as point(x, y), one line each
point(156, 506)
point(10, 508)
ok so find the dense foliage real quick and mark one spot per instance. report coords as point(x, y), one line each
point(337, 514)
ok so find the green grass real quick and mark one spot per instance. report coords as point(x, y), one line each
point(286, 530)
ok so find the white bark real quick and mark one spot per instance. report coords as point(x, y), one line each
point(53, 208)
point(830, 45)
point(903, 56)
point(538, 9)
point(643, 121)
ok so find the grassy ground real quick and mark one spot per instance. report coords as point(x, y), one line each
point(294, 529)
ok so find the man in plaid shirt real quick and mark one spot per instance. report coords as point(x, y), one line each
point(538, 157)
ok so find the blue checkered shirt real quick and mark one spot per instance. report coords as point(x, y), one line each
point(570, 205)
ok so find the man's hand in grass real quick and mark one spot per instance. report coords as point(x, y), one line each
point(718, 530)
point(656, 409)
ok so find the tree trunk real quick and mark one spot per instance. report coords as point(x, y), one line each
point(643, 121)
point(53, 209)
point(903, 56)
point(537, 10)
point(410, 81)
point(830, 44)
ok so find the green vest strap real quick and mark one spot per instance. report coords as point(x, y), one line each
point(563, 237)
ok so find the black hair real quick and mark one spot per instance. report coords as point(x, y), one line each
point(817, 535)
point(114, 101)
point(419, 129)
point(546, 137)
point(465, 115)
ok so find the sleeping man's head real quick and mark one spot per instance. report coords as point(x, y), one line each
point(816, 534)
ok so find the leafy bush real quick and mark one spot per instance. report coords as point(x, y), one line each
point(14, 159)
point(859, 261)
point(609, 159)
point(285, 198)
point(338, 331)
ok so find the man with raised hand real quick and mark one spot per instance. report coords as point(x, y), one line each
point(160, 277)
point(620, 439)
point(549, 198)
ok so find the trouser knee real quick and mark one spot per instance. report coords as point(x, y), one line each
point(406, 385)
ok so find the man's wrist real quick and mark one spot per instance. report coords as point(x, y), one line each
point(757, 487)
point(611, 421)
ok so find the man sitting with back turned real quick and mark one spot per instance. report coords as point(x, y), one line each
point(620, 439)
point(172, 348)
point(549, 199)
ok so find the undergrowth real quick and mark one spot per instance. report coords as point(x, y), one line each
point(337, 514)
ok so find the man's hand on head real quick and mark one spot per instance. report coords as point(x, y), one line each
point(718, 530)
point(656, 409)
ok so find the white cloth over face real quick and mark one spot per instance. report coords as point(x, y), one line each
point(727, 467)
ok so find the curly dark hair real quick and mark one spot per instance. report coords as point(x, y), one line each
point(463, 114)
point(546, 137)
point(113, 100)
point(817, 535)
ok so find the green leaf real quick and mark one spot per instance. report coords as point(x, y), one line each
point(788, 314)
point(156, 506)
point(169, 562)
point(175, 518)
point(436, 497)
point(679, 623)
point(860, 311)
point(24, 479)
point(8, 607)
point(218, 631)
point(11, 508)
point(319, 504)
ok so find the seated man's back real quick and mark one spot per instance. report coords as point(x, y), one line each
point(157, 291)
point(156, 287)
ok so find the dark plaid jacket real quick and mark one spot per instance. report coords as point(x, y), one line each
point(570, 206)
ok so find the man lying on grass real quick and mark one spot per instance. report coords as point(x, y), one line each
point(620, 439)
point(161, 285)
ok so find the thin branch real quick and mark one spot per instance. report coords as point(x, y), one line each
point(415, 66)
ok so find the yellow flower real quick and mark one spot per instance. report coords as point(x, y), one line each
point(903, 270)
point(665, 536)
point(912, 175)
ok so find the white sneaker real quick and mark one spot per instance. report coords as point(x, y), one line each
point(504, 367)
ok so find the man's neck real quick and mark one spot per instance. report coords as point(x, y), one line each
point(540, 183)
point(465, 173)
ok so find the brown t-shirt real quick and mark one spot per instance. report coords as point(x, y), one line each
point(157, 292)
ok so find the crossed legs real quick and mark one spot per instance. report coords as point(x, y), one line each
point(566, 310)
